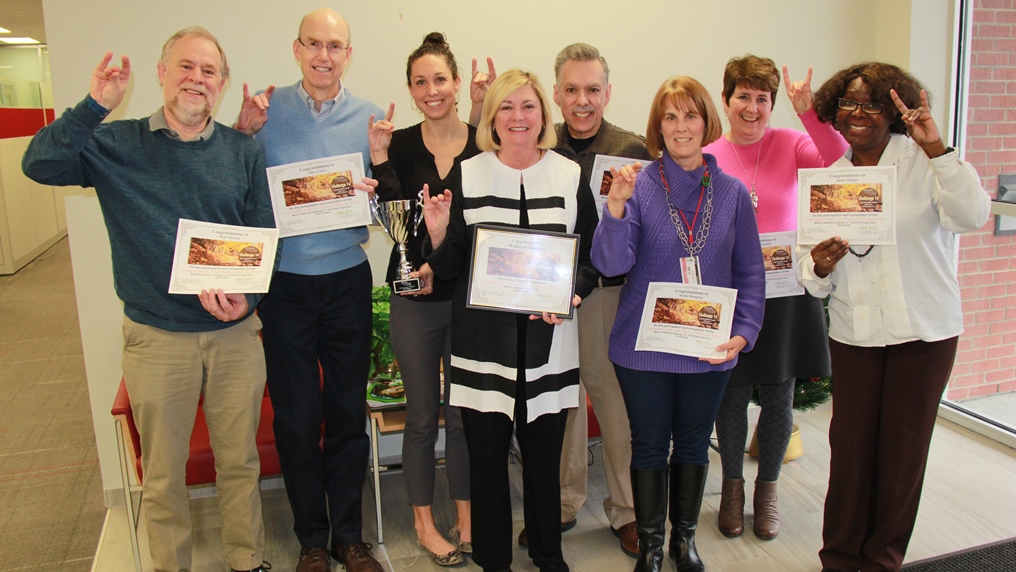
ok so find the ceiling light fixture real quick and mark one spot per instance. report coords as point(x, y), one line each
point(4, 31)
point(19, 40)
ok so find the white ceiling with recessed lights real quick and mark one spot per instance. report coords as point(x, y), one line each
point(23, 18)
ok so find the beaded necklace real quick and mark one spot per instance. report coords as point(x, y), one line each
point(692, 244)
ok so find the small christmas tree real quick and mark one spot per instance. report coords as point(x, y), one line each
point(809, 393)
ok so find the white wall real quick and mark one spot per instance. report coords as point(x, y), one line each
point(663, 38)
point(644, 44)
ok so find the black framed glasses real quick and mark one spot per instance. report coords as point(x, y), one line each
point(867, 107)
point(314, 46)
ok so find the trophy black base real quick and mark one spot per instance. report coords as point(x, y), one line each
point(407, 285)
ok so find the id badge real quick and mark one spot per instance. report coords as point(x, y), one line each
point(690, 271)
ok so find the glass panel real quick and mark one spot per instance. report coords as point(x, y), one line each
point(24, 77)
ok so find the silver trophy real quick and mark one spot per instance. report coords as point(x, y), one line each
point(396, 217)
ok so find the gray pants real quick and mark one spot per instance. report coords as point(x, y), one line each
point(421, 338)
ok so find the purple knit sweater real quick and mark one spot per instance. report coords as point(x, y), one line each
point(644, 244)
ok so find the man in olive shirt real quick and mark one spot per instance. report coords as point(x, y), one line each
point(582, 90)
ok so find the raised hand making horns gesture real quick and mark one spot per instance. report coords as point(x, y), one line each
point(109, 83)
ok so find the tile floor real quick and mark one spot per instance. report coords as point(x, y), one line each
point(51, 501)
point(967, 501)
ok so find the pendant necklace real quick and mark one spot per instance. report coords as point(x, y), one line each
point(692, 243)
point(851, 249)
point(754, 196)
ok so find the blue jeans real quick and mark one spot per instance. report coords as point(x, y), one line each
point(664, 406)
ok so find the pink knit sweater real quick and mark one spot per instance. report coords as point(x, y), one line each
point(783, 152)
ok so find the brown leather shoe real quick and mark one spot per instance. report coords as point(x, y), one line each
point(313, 559)
point(565, 527)
point(629, 535)
point(356, 557)
point(730, 518)
point(767, 518)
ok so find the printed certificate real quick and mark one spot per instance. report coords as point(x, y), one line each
point(857, 204)
point(779, 254)
point(686, 319)
point(318, 195)
point(601, 179)
point(238, 259)
point(523, 271)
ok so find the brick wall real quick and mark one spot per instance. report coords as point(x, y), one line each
point(986, 362)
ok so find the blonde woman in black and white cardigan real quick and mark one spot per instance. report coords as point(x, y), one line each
point(512, 370)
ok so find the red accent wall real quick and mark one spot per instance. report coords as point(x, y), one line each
point(986, 362)
point(23, 122)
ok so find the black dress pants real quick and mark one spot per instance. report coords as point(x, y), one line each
point(488, 438)
point(326, 320)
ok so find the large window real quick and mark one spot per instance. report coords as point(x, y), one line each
point(982, 390)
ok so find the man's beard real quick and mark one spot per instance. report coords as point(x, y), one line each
point(190, 115)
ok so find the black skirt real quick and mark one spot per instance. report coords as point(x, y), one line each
point(793, 343)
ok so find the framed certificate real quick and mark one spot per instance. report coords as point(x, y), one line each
point(857, 204)
point(686, 319)
point(237, 259)
point(523, 271)
point(318, 195)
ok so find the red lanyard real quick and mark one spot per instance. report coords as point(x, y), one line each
point(702, 193)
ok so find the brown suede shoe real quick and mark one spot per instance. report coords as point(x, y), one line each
point(767, 518)
point(565, 527)
point(730, 518)
point(313, 559)
point(629, 536)
point(356, 557)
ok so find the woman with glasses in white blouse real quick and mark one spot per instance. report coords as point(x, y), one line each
point(895, 314)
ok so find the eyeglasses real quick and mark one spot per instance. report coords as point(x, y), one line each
point(867, 107)
point(314, 47)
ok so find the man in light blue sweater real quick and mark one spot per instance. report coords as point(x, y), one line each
point(148, 174)
point(319, 308)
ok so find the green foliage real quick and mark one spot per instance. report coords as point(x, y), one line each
point(381, 352)
point(810, 393)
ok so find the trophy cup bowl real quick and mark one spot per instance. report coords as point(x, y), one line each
point(396, 218)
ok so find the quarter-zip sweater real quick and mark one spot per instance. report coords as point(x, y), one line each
point(644, 244)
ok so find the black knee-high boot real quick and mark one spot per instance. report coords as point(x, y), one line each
point(649, 490)
point(687, 484)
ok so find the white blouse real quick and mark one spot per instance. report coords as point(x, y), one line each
point(909, 291)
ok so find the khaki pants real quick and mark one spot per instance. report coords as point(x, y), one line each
point(166, 373)
point(596, 318)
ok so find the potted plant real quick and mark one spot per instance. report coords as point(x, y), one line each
point(382, 355)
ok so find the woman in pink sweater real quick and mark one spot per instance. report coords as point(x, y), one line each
point(792, 342)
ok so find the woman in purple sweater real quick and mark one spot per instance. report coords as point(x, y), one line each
point(681, 205)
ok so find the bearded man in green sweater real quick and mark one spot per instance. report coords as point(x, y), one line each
point(148, 174)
